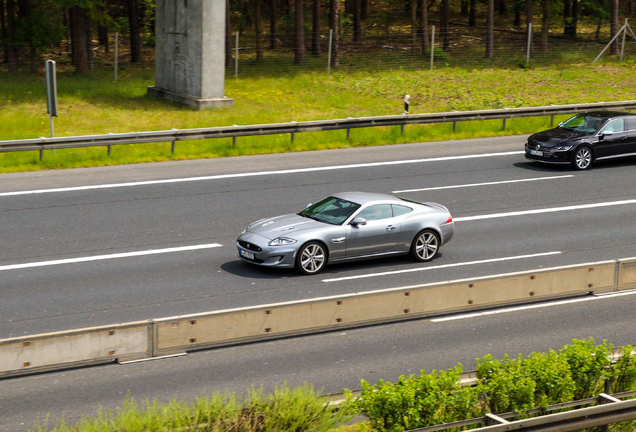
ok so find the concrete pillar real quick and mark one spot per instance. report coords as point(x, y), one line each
point(190, 53)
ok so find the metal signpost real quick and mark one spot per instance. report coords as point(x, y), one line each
point(51, 93)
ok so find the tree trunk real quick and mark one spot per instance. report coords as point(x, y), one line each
point(315, 35)
point(78, 40)
point(357, 33)
point(472, 19)
point(569, 17)
point(102, 36)
point(273, 42)
point(228, 35)
point(545, 27)
point(89, 46)
point(464, 8)
point(490, 35)
point(446, 25)
point(501, 7)
point(333, 26)
point(299, 34)
point(424, 24)
point(614, 25)
point(133, 21)
point(413, 25)
point(517, 15)
point(364, 10)
point(258, 30)
point(11, 52)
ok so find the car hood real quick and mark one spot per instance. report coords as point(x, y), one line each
point(552, 137)
point(283, 226)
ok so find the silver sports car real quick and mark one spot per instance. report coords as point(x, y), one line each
point(347, 226)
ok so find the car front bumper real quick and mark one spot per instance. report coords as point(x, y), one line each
point(549, 156)
point(253, 248)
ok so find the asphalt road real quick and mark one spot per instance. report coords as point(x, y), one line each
point(510, 215)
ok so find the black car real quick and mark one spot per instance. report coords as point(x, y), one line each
point(584, 139)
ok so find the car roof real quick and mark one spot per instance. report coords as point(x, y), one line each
point(608, 114)
point(365, 197)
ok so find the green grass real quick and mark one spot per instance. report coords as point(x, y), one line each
point(97, 105)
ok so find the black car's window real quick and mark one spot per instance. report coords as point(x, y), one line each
point(376, 212)
point(584, 124)
point(630, 123)
point(616, 125)
point(331, 210)
point(399, 210)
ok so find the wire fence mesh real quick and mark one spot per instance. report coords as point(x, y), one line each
point(249, 55)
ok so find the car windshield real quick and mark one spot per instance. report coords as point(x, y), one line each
point(331, 210)
point(587, 124)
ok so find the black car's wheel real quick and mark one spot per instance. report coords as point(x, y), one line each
point(425, 245)
point(582, 158)
point(311, 258)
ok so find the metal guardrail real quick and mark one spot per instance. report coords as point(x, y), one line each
point(610, 410)
point(174, 135)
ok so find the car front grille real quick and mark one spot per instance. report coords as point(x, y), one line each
point(249, 246)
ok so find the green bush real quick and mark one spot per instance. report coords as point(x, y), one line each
point(589, 365)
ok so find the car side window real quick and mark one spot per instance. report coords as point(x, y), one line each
point(630, 123)
point(376, 212)
point(617, 125)
point(399, 210)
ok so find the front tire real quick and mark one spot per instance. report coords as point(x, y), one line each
point(582, 158)
point(425, 246)
point(311, 258)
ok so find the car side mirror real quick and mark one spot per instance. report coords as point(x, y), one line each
point(358, 221)
point(607, 133)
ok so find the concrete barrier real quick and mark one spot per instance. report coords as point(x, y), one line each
point(187, 332)
point(72, 348)
point(626, 274)
point(165, 336)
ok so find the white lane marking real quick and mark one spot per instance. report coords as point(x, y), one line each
point(106, 257)
point(441, 266)
point(534, 306)
point(256, 174)
point(483, 184)
point(546, 210)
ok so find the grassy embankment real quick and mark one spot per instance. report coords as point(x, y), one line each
point(97, 105)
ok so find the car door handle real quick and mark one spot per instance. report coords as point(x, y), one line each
point(390, 228)
point(338, 240)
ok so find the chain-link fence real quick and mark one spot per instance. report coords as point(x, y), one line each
point(458, 46)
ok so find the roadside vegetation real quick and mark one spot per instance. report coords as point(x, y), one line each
point(576, 371)
point(95, 104)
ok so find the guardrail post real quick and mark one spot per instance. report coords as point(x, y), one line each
point(41, 154)
point(348, 134)
point(454, 126)
point(233, 141)
point(504, 124)
point(292, 137)
point(172, 147)
point(552, 120)
point(402, 129)
point(108, 150)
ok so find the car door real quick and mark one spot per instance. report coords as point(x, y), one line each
point(630, 134)
point(612, 139)
point(380, 233)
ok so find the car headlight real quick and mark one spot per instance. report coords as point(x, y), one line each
point(281, 241)
point(563, 147)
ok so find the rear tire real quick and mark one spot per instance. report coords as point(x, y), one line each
point(582, 158)
point(311, 258)
point(425, 245)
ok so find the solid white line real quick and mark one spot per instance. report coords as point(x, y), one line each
point(105, 257)
point(534, 306)
point(441, 266)
point(547, 210)
point(257, 174)
point(483, 184)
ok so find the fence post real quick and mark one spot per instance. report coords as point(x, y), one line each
point(432, 45)
point(529, 43)
point(329, 55)
point(116, 52)
point(236, 49)
point(623, 44)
